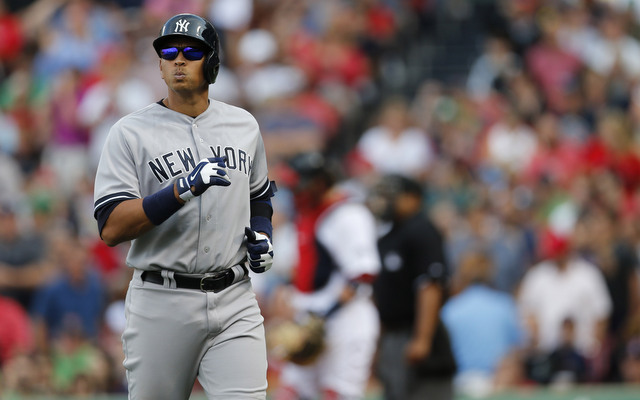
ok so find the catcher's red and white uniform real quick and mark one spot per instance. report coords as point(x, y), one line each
point(337, 245)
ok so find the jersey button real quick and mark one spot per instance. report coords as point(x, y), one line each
point(208, 217)
point(206, 249)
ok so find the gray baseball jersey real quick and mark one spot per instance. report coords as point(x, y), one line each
point(147, 150)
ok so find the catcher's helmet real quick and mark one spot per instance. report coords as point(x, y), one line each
point(309, 166)
point(198, 28)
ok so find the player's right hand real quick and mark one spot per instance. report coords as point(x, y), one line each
point(209, 172)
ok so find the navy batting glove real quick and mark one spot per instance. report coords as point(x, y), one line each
point(259, 251)
point(209, 172)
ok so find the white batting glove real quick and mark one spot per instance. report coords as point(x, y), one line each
point(259, 251)
point(209, 172)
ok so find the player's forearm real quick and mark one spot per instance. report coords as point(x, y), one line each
point(126, 222)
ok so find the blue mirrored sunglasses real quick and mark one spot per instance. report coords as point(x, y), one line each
point(190, 53)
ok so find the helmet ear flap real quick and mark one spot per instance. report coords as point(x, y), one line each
point(212, 66)
point(212, 62)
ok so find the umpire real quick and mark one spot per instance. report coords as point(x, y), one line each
point(414, 355)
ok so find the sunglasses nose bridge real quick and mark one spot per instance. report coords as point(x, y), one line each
point(180, 56)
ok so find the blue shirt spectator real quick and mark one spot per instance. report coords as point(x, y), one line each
point(75, 300)
point(484, 327)
point(483, 322)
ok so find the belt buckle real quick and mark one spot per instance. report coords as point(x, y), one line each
point(212, 278)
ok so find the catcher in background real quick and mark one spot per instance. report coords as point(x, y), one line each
point(415, 360)
point(338, 259)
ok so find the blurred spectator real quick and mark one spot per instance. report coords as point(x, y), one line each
point(292, 118)
point(415, 359)
point(333, 56)
point(454, 183)
point(495, 64)
point(611, 149)
point(115, 93)
point(73, 37)
point(618, 261)
point(25, 107)
point(263, 75)
point(577, 31)
point(13, 37)
point(79, 367)
point(567, 365)
point(232, 19)
point(493, 318)
point(507, 147)
point(66, 152)
point(564, 285)
point(75, 299)
point(505, 242)
point(557, 157)
point(630, 364)
point(520, 22)
point(16, 337)
point(550, 65)
point(24, 257)
point(394, 144)
point(614, 54)
point(163, 9)
point(26, 375)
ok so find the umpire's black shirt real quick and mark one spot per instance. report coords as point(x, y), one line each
point(412, 253)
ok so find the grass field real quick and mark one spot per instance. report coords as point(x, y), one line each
point(600, 392)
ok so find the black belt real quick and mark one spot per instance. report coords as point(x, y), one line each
point(214, 282)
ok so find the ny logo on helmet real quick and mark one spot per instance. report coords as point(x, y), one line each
point(182, 26)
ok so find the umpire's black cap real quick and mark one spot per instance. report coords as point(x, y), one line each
point(398, 183)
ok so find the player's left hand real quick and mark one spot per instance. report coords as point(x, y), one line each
point(259, 251)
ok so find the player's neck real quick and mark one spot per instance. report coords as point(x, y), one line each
point(191, 106)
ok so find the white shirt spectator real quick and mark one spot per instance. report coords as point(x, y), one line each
point(409, 153)
point(551, 295)
point(511, 147)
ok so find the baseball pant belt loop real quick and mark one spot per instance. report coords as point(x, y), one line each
point(213, 282)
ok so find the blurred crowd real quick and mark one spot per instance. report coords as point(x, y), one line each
point(521, 118)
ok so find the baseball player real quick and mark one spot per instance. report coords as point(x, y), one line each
point(185, 179)
point(338, 260)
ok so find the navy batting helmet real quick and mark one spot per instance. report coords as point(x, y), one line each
point(196, 27)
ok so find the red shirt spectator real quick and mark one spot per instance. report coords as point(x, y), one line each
point(551, 66)
point(556, 158)
point(611, 149)
point(11, 37)
point(15, 330)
